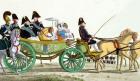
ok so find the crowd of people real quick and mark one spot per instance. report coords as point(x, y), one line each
point(32, 29)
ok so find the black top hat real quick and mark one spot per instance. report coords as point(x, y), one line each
point(81, 20)
point(14, 16)
point(24, 19)
point(35, 14)
point(6, 13)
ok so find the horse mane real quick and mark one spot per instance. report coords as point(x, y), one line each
point(125, 33)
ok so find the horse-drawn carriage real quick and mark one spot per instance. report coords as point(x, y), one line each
point(71, 53)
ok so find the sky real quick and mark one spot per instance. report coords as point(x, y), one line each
point(94, 12)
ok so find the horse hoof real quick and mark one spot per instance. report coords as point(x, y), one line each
point(136, 71)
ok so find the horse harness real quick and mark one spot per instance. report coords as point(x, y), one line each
point(117, 46)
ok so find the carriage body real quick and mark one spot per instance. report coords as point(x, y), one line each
point(71, 54)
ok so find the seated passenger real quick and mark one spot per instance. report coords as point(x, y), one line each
point(26, 29)
point(60, 32)
point(68, 34)
point(37, 25)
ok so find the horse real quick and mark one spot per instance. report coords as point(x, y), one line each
point(135, 54)
point(13, 45)
point(115, 45)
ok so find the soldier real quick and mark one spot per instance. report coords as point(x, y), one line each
point(26, 29)
point(15, 22)
point(5, 29)
point(37, 26)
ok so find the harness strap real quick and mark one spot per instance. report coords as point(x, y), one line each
point(116, 44)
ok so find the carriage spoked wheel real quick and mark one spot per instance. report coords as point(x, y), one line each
point(23, 61)
point(72, 60)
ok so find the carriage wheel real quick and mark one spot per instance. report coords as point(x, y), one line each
point(72, 60)
point(23, 61)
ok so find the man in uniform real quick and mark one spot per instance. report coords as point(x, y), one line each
point(15, 22)
point(37, 25)
point(5, 29)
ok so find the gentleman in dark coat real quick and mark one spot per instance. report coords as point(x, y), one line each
point(37, 26)
point(84, 33)
point(85, 36)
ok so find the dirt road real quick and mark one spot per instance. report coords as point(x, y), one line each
point(87, 74)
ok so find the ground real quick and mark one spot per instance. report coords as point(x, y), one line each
point(87, 74)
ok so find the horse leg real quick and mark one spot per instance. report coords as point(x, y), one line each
point(102, 63)
point(125, 62)
point(121, 62)
point(130, 63)
point(137, 64)
point(136, 61)
point(2, 67)
point(117, 62)
point(97, 66)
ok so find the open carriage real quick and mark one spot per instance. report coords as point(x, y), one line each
point(71, 53)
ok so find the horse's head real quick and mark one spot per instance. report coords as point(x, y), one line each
point(135, 36)
point(127, 35)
